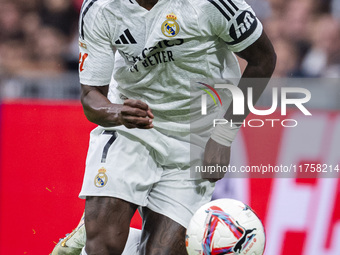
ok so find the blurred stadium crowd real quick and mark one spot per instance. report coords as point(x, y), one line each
point(39, 43)
point(39, 48)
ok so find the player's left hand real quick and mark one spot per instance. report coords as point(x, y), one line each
point(215, 154)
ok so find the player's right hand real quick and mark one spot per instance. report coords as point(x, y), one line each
point(136, 114)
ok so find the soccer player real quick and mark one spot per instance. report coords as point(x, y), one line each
point(139, 155)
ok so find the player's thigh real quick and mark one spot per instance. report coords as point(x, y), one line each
point(107, 221)
point(177, 196)
point(161, 235)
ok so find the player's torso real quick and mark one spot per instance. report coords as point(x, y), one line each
point(163, 50)
point(167, 43)
point(169, 35)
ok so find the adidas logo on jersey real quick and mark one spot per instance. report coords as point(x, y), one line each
point(126, 38)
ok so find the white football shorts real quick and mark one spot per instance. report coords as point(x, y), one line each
point(150, 170)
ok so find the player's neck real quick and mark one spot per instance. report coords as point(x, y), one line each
point(147, 4)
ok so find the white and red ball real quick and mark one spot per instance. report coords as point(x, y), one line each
point(225, 226)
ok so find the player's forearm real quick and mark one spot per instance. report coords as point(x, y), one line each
point(256, 76)
point(99, 110)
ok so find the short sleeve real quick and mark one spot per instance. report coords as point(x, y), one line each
point(234, 21)
point(96, 54)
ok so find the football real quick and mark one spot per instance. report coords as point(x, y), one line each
point(225, 226)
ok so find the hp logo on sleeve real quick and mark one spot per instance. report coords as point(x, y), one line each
point(243, 26)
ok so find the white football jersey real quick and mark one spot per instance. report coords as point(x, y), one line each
point(163, 50)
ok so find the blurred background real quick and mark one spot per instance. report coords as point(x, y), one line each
point(39, 48)
point(44, 133)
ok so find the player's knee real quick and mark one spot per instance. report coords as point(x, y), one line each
point(104, 246)
point(115, 248)
point(103, 242)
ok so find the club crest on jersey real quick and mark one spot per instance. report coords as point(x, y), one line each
point(101, 178)
point(170, 27)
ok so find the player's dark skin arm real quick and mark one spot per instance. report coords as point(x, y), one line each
point(261, 59)
point(99, 110)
